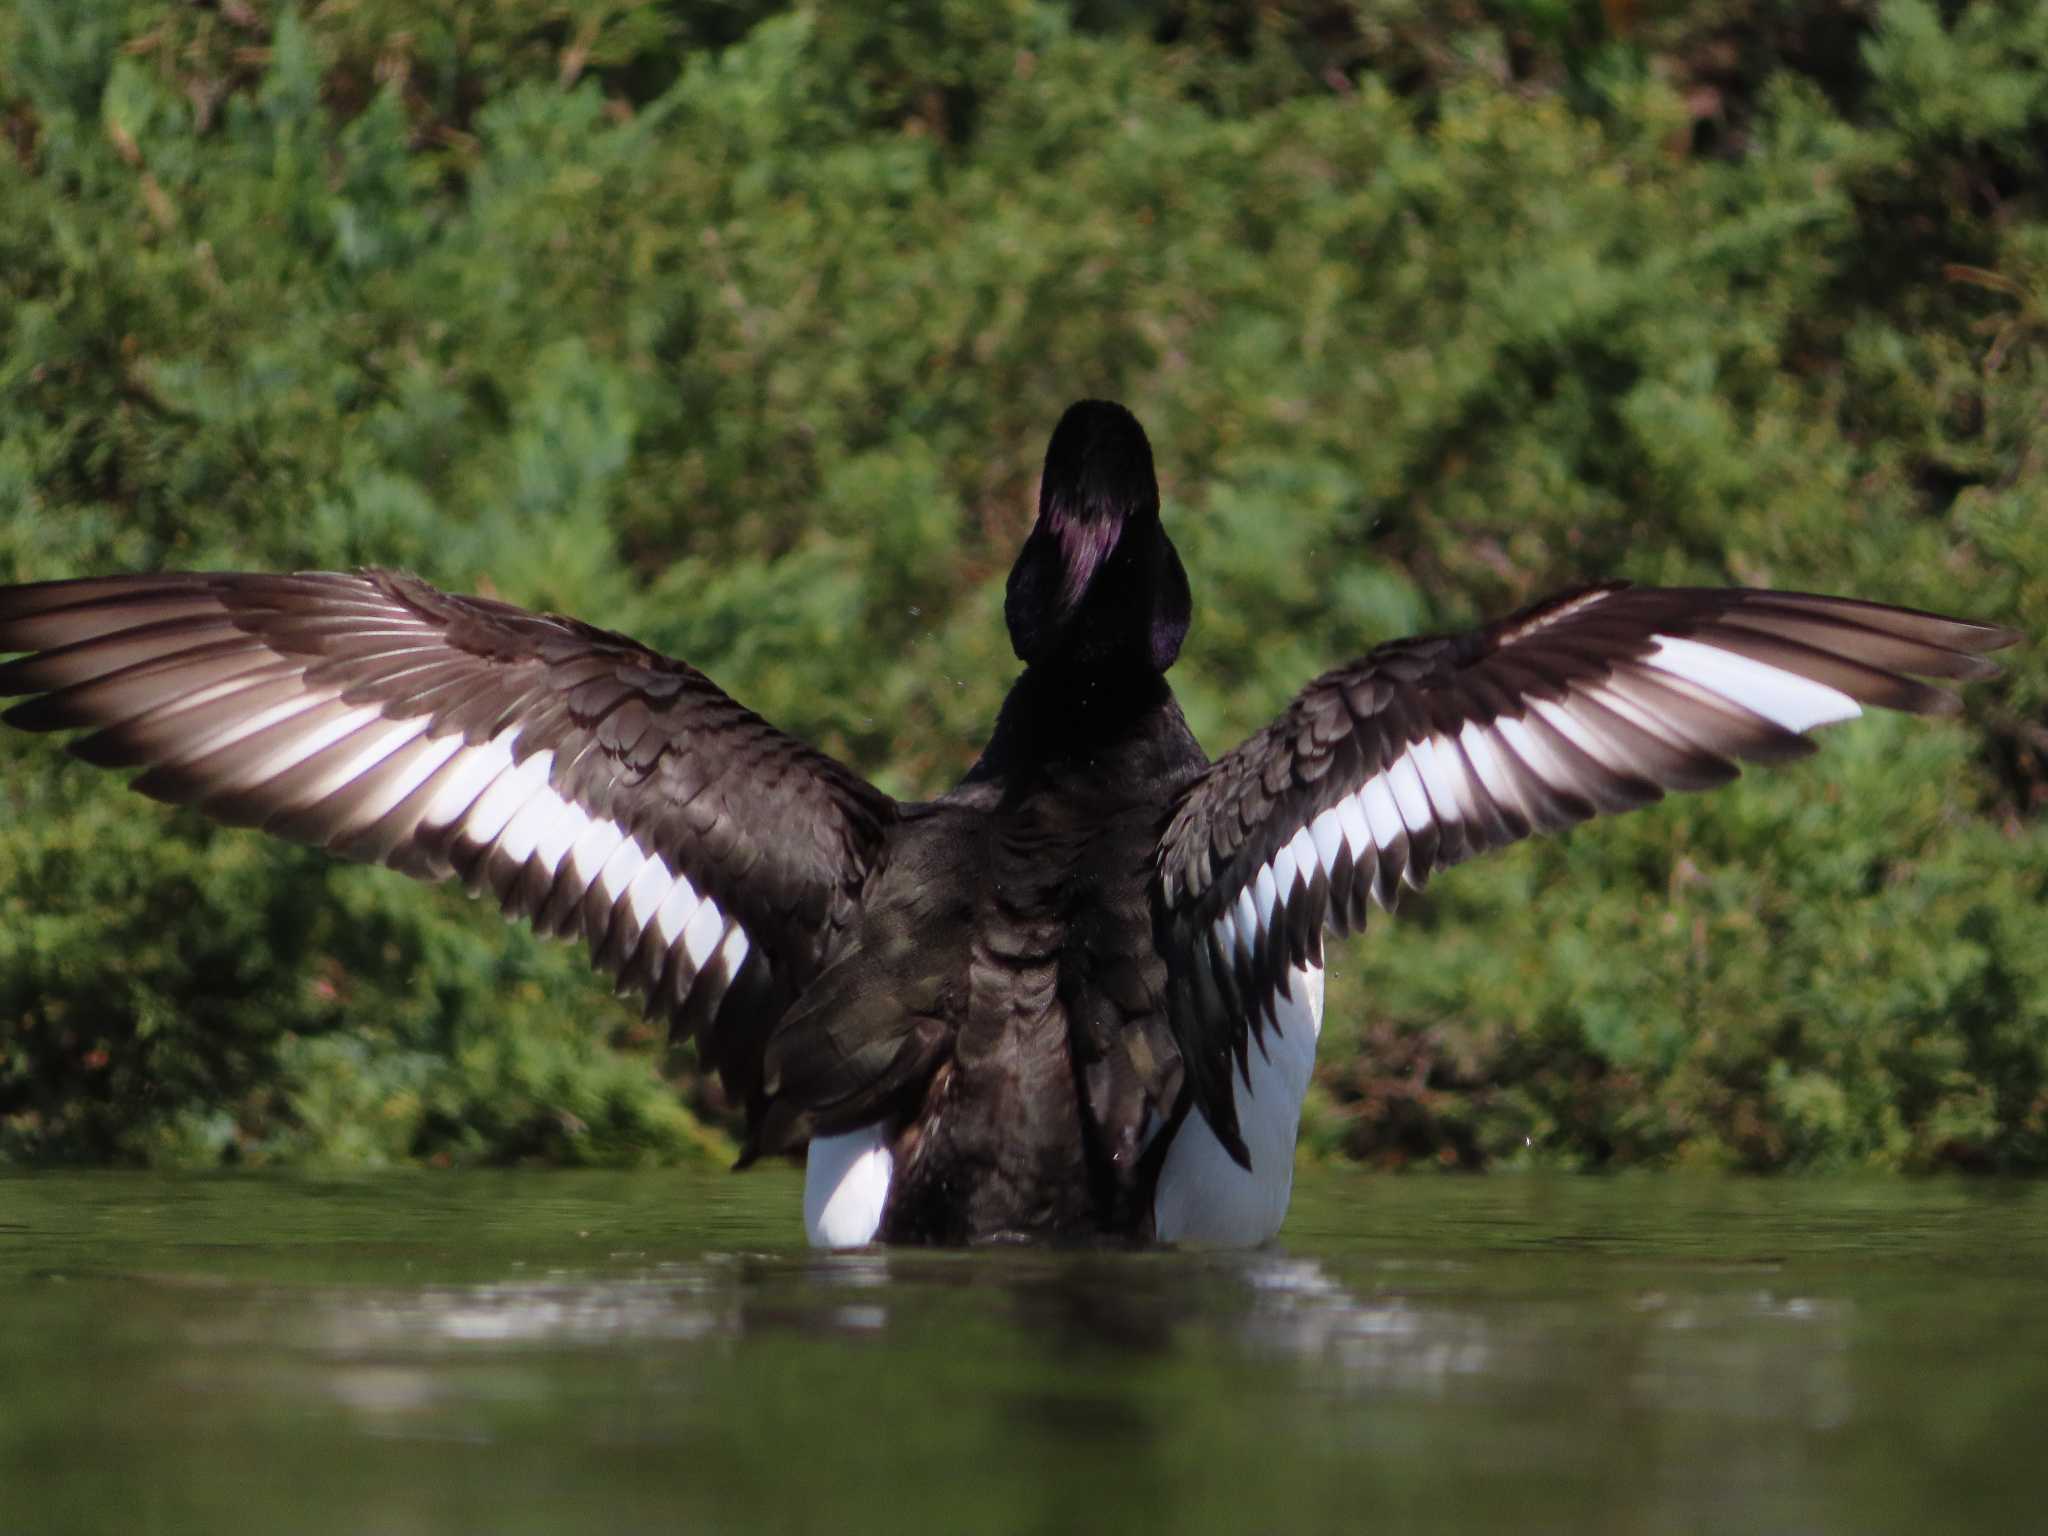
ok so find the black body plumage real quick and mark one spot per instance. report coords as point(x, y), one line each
point(1036, 992)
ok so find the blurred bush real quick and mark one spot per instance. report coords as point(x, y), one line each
point(741, 328)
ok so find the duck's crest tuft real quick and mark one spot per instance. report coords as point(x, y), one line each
point(1098, 533)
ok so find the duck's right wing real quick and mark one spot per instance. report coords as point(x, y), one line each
point(1427, 751)
point(591, 785)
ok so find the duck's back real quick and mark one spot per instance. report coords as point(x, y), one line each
point(1003, 1002)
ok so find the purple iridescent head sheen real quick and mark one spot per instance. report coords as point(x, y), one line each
point(1085, 540)
point(1098, 583)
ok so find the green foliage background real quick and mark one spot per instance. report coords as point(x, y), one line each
point(741, 327)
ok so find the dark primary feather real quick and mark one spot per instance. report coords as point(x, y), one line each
point(1430, 750)
point(571, 772)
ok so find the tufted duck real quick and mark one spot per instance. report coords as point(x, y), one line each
point(1077, 995)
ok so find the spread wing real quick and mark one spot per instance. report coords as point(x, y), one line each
point(589, 784)
point(1430, 750)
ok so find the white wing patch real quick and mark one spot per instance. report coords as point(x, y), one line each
point(1441, 767)
point(368, 747)
point(1444, 781)
point(407, 777)
point(1410, 799)
point(514, 815)
point(355, 773)
point(509, 790)
point(457, 788)
point(1784, 698)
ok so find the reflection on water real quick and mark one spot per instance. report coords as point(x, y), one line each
point(389, 1353)
point(539, 1356)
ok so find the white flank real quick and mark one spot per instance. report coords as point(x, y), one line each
point(846, 1184)
point(1203, 1196)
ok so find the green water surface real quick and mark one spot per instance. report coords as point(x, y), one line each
point(545, 1352)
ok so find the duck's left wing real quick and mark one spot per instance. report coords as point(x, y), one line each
point(588, 783)
point(1430, 750)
